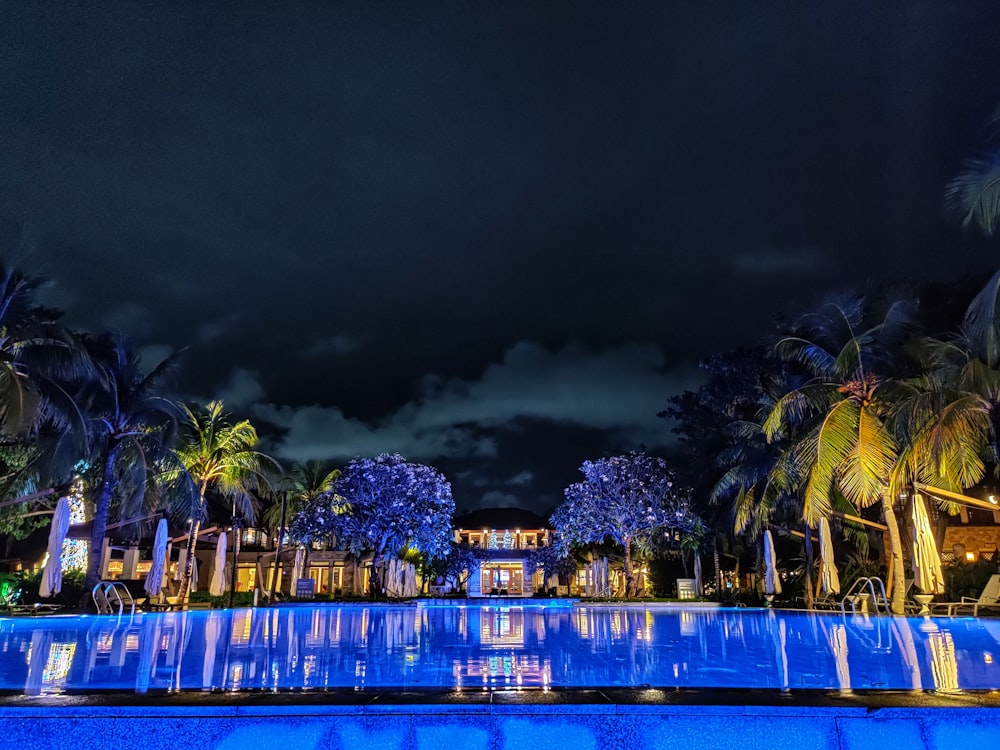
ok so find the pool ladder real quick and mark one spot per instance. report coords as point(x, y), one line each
point(864, 586)
point(111, 595)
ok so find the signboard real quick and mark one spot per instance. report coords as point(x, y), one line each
point(305, 588)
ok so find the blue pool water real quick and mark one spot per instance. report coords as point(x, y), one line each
point(384, 647)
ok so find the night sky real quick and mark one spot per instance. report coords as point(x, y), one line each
point(492, 237)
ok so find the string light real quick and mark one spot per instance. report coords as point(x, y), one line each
point(75, 552)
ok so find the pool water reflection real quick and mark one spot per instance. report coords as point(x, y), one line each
point(384, 647)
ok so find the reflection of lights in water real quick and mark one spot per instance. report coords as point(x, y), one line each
point(308, 667)
point(58, 664)
point(359, 669)
point(132, 642)
point(335, 629)
point(509, 669)
point(987, 657)
point(235, 675)
point(105, 640)
point(944, 664)
point(242, 624)
point(502, 627)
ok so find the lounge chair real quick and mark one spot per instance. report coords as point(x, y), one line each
point(989, 598)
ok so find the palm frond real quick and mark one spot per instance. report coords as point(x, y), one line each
point(974, 195)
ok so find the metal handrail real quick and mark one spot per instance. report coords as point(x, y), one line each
point(856, 591)
point(105, 591)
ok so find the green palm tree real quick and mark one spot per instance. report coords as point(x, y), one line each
point(41, 362)
point(132, 428)
point(304, 482)
point(221, 456)
point(836, 422)
point(947, 425)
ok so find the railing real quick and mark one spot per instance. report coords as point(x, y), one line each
point(864, 587)
point(110, 596)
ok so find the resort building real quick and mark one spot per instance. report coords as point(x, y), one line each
point(507, 537)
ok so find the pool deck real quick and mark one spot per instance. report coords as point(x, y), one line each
point(503, 720)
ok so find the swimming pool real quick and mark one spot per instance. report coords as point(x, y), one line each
point(489, 647)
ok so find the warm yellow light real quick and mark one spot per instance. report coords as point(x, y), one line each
point(970, 556)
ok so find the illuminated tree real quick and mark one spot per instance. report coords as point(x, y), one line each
point(630, 500)
point(221, 456)
point(381, 506)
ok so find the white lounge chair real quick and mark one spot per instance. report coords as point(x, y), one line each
point(989, 598)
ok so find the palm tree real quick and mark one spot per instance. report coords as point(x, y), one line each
point(40, 362)
point(974, 195)
point(837, 420)
point(221, 456)
point(131, 430)
point(304, 482)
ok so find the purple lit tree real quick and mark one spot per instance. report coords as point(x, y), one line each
point(381, 506)
point(632, 500)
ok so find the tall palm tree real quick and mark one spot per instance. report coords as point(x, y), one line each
point(40, 361)
point(304, 482)
point(219, 455)
point(837, 419)
point(132, 428)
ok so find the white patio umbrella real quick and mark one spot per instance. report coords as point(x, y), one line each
point(829, 581)
point(217, 586)
point(927, 574)
point(52, 572)
point(772, 581)
point(154, 581)
point(698, 584)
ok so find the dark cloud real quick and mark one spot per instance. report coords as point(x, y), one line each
point(494, 236)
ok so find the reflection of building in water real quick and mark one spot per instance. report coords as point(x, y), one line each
point(501, 626)
point(502, 670)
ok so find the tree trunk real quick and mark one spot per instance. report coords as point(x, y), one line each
point(100, 527)
point(718, 570)
point(896, 561)
point(809, 567)
point(189, 563)
point(629, 578)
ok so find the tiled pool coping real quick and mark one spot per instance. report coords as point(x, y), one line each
point(503, 720)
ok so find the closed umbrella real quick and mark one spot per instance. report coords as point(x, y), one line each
point(927, 574)
point(217, 586)
point(51, 583)
point(154, 581)
point(829, 581)
point(772, 582)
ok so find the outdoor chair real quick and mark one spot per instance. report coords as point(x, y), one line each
point(989, 598)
